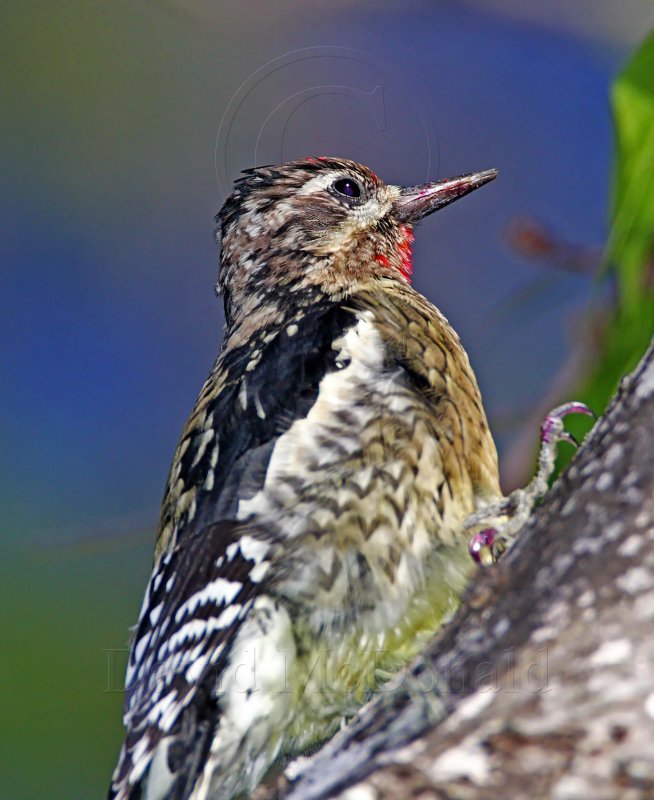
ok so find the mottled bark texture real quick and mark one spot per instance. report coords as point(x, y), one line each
point(543, 683)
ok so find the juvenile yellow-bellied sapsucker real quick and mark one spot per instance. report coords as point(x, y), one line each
point(313, 527)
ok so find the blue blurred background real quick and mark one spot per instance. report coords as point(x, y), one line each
point(114, 161)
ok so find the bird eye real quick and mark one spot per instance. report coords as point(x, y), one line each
point(347, 187)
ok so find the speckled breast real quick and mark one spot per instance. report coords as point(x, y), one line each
point(362, 491)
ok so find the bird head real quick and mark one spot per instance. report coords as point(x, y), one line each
point(323, 223)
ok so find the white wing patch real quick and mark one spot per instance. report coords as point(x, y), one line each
point(253, 549)
point(219, 591)
point(362, 354)
point(192, 611)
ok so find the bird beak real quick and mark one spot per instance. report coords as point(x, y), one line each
point(416, 202)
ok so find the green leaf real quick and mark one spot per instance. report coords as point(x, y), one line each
point(623, 331)
point(632, 234)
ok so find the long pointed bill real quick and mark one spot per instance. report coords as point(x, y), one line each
point(416, 202)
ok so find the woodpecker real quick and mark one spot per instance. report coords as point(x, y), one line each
point(315, 528)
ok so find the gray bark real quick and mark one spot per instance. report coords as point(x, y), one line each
point(543, 683)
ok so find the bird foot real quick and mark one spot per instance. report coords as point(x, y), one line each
point(488, 544)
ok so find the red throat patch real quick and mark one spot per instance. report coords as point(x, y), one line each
point(405, 251)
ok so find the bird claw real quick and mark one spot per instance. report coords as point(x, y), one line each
point(566, 436)
point(551, 431)
point(486, 546)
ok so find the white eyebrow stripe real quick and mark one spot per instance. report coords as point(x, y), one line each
point(320, 182)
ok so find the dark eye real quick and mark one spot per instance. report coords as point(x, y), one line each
point(348, 187)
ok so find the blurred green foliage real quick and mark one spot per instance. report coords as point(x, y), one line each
point(627, 327)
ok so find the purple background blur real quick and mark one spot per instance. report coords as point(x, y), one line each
point(109, 121)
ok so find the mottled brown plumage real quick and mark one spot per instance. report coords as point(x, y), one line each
point(315, 508)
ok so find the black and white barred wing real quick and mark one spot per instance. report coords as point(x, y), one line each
point(198, 597)
point(208, 589)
